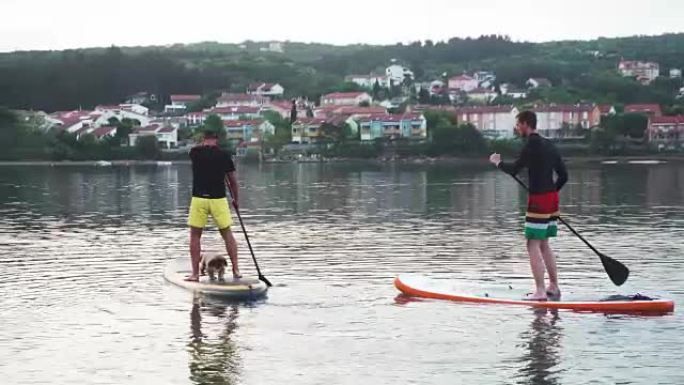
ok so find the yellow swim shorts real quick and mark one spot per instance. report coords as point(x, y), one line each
point(201, 208)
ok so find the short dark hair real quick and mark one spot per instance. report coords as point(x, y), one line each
point(528, 117)
point(210, 134)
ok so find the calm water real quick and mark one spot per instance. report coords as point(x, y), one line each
point(83, 301)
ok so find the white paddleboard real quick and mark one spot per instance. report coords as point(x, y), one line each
point(244, 288)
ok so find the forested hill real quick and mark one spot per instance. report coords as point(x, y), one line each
point(581, 70)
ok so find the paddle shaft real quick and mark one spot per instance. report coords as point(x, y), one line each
point(617, 272)
point(249, 244)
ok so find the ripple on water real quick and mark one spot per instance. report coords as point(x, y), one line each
point(81, 252)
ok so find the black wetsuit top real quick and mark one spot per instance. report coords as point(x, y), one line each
point(210, 165)
point(541, 158)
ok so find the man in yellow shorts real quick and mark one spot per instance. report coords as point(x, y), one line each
point(212, 171)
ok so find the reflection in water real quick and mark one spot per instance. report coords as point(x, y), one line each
point(542, 345)
point(85, 240)
point(213, 360)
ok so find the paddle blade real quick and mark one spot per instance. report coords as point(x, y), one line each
point(617, 272)
point(265, 280)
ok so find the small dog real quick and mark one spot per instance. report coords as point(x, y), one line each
point(212, 265)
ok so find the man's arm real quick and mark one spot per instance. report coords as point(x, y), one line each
point(233, 187)
point(562, 173)
point(520, 163)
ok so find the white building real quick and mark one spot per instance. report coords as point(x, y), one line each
point(266, 89)
point(368, 81)
point(248, 130)
point(538, 83)
point(409, 125)
point(463, 83)
point(495, 122)
point(644, 72)
point(274, 46)
point(229, 99)
point(509, 90)
point(485, 79)
point(397, 73)
point(482, 95)
point(234, 112)
point(105, 114)
point(180, 103)
point(167, 136)
point(135, 108)
point(345, 99)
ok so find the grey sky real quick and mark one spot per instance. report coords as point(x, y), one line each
point(59, 24)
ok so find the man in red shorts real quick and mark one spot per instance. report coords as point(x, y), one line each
point(541, 158)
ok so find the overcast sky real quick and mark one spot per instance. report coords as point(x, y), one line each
point(59, 24)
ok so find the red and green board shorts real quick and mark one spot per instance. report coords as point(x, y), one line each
point(541, 220)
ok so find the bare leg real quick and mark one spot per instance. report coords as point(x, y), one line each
point(537, 265)
point(551, 268)
point(195, 238)
point(231, 248)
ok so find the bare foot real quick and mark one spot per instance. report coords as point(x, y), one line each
point(236, 274)
point(536, 296)
point(553, 291)
point(192, 278)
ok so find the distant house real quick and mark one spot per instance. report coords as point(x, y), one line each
point(104, 132)
point(72, 121)
point(194, 119)
point(230, 99)
point(463, 83)
point(644, 72)
point(511, 91)
point(606, 109)
point(180, 103)
point(436, 87)
point(167, 136)
point(274, 46)
point(494, 122)
point(248, 130)
point(368, 81)
point(234, 112)
point(566, 120)
point(274, 90)
point(397, 73)
point(307, 130)
point(651, 110)
point(134, 108)
point(675, 73)
point(284, 107)
point(393, 103)
point(485, 79)
point(482, 95)
point(141, 98)
point(538, 83)
point(408, 125)
point(103, 114)
point(666, 132)
point(345, 99)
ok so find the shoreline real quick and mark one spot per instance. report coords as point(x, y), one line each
point(572, 160)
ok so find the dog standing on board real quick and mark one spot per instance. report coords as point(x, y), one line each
point(213, 264)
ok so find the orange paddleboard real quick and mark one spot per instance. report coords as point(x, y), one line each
point(418, 286)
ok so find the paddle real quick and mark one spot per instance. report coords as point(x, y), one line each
point(617, 272)
point(242, 224)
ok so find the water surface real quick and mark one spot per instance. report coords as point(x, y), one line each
point(83, 300)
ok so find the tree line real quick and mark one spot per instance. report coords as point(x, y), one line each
point(84, 78)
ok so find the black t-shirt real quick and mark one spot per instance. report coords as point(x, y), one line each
point(210, 165)
point(541, 158)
